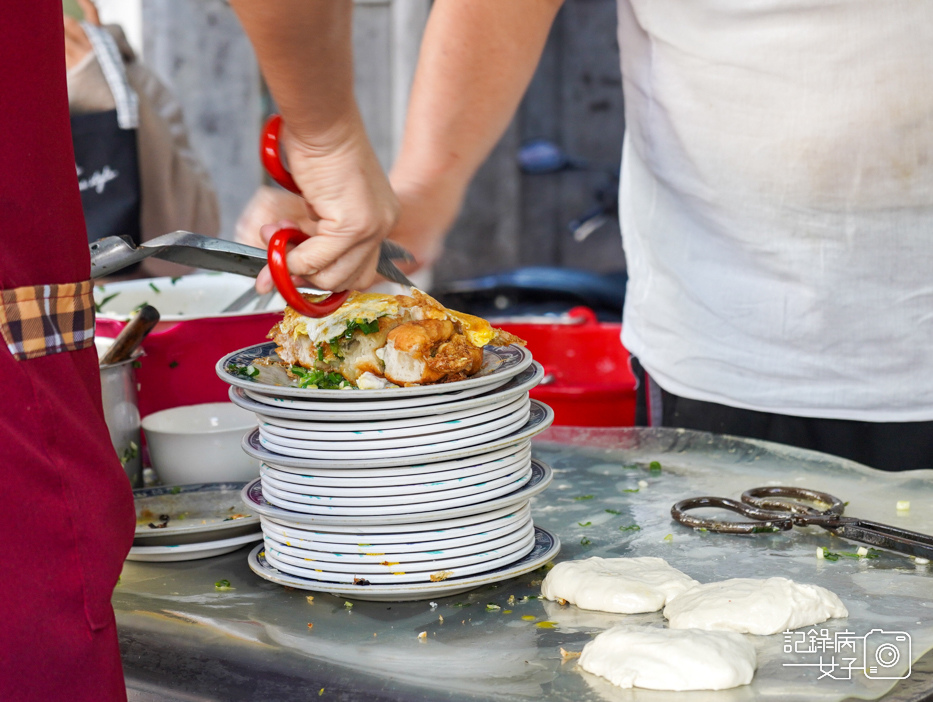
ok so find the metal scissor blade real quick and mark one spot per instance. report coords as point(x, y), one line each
point(395, 251)
point(886, 536)
point(390, 271)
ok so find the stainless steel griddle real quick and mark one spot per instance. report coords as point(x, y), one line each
point(183, 640)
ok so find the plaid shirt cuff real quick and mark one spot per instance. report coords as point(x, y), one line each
point(39, 320)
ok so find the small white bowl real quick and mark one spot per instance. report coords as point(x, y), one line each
point(200, 444)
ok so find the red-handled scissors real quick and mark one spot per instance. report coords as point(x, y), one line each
point(270, 154)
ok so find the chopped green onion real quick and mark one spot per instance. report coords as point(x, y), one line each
point(630, 490)
point(633, 527)
point(654, 467)
point(131, 452)
point(153, 286)
point(669, 538)
point(613, 511)
point(585, 541)
point(492, 607)
point(366, 326)
point(584, 497)
point(584, 524)
point(222, 585)
point(103, 302)
point(831, 556)
point(318, 379)
point(320, 353)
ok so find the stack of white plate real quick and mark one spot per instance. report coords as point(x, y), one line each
point(399, 493)
point(187, 522)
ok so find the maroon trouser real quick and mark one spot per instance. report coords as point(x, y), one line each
point(66, 509)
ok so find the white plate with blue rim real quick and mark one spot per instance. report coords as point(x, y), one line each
point(546, 547)
point(252, 495)
point(413, 491)
point(514, 545)
point(193, 551)
point(339, 447)
point(413, 553)
point(181, 514)
point(395, 429)
point(359, 499)
point(411, 469)
point(259, 370)
point(411, 543)
point(503, 557)
point(396, 504)
point(381, 533)
point(540, 417)
point(351, 411)
point(335, 479)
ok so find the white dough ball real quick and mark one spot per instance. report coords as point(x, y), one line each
point(749, 605)
point(667, 659)
point(620, 585)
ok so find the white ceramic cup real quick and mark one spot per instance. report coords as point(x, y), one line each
point(200, 444)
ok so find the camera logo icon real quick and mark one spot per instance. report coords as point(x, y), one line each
point(884, 652)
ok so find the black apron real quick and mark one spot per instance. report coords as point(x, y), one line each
point(107, 162)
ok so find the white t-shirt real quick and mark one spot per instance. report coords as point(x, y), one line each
point(777, 203)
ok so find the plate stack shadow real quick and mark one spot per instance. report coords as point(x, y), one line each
point(394, 494)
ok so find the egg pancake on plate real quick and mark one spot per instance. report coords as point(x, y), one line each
point(374, 341)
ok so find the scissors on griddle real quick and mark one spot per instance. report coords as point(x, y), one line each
point(783, 508)
point(270, 155)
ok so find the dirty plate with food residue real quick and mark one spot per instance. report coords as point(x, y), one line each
point(185, 514)
point(546, 546)
point(191, 552)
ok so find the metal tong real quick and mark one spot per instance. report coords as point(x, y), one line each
point(783, 508)
point(113, 253)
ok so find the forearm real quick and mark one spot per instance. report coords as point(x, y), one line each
point(476, 61)
point(305, 50)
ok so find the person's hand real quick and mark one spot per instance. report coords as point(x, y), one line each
point(271, 205)
point(427, 213)
point(350, 206)
point(77, 45)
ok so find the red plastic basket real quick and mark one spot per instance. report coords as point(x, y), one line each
point(588, 381)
